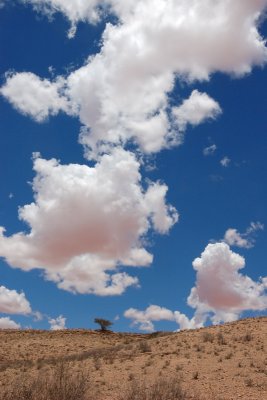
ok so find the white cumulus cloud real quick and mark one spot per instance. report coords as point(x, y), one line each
point(221, 289)
point(35, 97)
point(87, 221)
point(196, 109)
point(74, 10)
point(58, 323)
point(144, 319)
point(122, 93)
point(12, 302)
point(246, 239)
point(7, 323)
point(221, 293)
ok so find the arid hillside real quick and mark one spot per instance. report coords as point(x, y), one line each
point(219, 362)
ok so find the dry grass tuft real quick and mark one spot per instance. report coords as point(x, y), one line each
point(162, 389)
point(61, 385)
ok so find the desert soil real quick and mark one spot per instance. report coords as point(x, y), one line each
point(224, 362)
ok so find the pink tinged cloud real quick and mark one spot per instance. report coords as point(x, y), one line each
point(86, 222)
point(220, 287)
point(221, 293)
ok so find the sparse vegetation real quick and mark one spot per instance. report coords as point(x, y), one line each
point(161, 389)
point(144, 347)
point(247, 337)
point(60, 385)
point(220, 338)
point(195, 375)
point(208, 337)
point(210, 363)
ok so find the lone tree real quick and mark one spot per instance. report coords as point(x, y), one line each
point(104, 323)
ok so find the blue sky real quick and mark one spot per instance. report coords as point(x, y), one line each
point(156, 128)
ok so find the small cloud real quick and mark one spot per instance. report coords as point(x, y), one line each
point(12, 302)
point(37, 316)
point(210, 150)
point(52, 70)
point(144, 319)
point(225, 161)
point(58, 323)
point(7, 323)
point(11, 195)
point(35, 97)
point(243, 240)
point(216, 178)
point(198, 108)
point(72, 31)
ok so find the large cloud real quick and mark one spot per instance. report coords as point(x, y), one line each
point(221, 289)
point(221, 293)
point(12, 302)
point(122, 93)
point(85, 222)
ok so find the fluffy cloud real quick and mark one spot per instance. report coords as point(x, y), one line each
point(245, 240)
point(209, 32)
point(7, 323)
point(196, 109)
point(210, 150)
point(74, 10)
point(221, 289)
point(87, 221)
point(144, 319)
point(58, 323)
point(221, 293)
point(122, 93)
point(12, 302)
point(35, 97)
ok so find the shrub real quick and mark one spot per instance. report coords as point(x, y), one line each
point(195, 375)
point(144, 347)
point(221, 339)
point(61, 385)
point(208, 337)
point(247, 337)
point(162, 389)
point(228, 356)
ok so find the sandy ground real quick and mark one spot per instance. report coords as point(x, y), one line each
point(227, 362)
